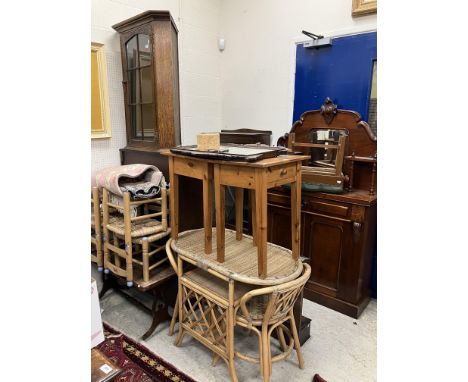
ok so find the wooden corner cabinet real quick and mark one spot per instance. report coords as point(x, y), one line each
point(148, 44)
point(149, 50)
point(338, 230)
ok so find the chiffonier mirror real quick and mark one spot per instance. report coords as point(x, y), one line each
point(151, 80)
point(326, 148)
point(342, 147)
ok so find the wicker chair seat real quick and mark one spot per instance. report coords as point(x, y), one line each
point(112, 219)
point(141, 228)
point(216, 285)
point(154, 237)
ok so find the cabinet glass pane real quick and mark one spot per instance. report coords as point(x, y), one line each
point(144, 45)
point(146, 85)
point(148, 121)
point(135, 121)
point(131, 48)
point(133, 86)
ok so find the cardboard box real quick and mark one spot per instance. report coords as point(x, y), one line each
point(97, 332)
point(208, 141)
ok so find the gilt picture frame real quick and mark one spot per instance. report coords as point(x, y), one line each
point(364, 7)
point(100, 115)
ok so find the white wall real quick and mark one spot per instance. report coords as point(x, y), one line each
point(258, 63)
point(248, 85)
point(199, 59)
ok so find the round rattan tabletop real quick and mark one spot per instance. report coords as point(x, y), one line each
point(240, 258)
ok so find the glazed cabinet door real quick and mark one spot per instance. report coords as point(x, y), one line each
point(328, 244)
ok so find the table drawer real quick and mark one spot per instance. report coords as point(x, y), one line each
point(281, 175)
point(237, 176)
point(189, 167)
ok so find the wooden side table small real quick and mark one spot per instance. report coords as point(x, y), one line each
point(267, 174)
point(102, 369)
point(257, 177)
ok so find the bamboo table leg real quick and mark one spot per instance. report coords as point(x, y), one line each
point(239, 212)
point(230, 333)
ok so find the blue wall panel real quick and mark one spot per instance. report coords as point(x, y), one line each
point(342, 72)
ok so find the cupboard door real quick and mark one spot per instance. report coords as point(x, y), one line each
point(279, 225)
point(327, 243)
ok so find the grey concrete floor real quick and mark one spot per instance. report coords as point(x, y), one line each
point(341, 349)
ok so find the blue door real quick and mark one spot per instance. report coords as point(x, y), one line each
point(342, 72)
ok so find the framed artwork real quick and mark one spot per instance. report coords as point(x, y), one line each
point(100, 116)
point(364, 7)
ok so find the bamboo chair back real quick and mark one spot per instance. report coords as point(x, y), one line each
point(134, 230)
point(266, 306)
point(269, 308)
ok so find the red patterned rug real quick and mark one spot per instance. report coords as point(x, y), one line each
point(138, 364)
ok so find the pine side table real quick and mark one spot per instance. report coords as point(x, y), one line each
point(257, 177)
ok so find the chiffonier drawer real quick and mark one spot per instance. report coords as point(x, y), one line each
point(325, 208)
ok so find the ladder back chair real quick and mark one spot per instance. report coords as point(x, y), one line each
point(96, 229)
point(135, 235)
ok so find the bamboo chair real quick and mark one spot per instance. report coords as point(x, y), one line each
point(96, 229)
point(135, 237)
point(206, 301)
point(267, 309)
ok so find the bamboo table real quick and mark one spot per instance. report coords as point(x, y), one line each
point(240, 262)
point(206, 305)
point(257, 177)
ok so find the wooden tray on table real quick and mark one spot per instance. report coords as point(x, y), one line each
point(233, 152)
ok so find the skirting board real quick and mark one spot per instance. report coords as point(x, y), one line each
point(352, 310)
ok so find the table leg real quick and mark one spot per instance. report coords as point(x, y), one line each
point(208, 207)
point(160, 313)
point(174, 199)
point(220, 214)
point(239, 212)
point(261, 210)
point(296, 214)
point(253, 210)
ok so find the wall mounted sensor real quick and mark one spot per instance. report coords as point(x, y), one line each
point(221, 44)
point(317, 41)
